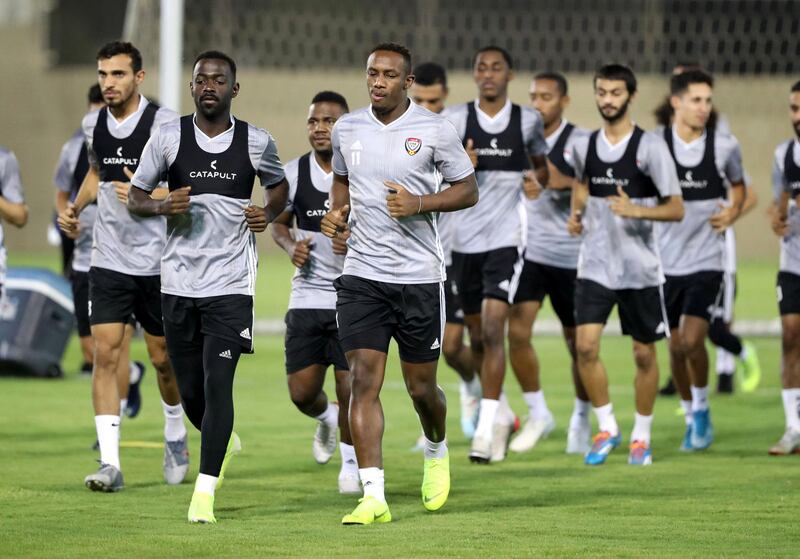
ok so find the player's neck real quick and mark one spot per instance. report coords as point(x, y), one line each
point(686, 132)
point(492, 106)
point(214, 125)
point(551, 128)
point(616, 131)
point(324, 160)
point(390, 116)
point(127, 108)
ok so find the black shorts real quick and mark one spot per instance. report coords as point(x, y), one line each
point(80, 300)
point(788, 293)
point(312, 338)
point(370, 313)
point(698, 294)
point(538, 280)
point(453, 313)
point(115, 296)
point(487, 275)
point(641, 311)
point(227, 317)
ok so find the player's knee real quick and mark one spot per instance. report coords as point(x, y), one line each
point(518, 336)
point(676, 348)
point(420, 391)
point(493, 333)
point(644, 356)
point(586, 351)
point(451, 349)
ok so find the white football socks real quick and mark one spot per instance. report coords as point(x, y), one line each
point(174, 429)
point(791, 407)
point(686, 405)
point(537, 406)
point(372, 481)
point(435, 450)
point(486, 418)
point(641, 428)
point(349, 460)
point(606, 420)
point(330, 416)
point(580, 414)
point(699, 398)
point(108, 438)
point(205, 484)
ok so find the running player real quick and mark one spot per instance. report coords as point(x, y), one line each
point(709, 167)
point(551, 260)
point(488, 241)
point(126, 254)
point(12, 204)
point(786, 224)
point(312, 341)
point(208, 270)
point(383, 158)
point(627, 181)
point(430, 92)
point(73, 165)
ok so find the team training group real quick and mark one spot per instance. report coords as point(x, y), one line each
point(410, 221)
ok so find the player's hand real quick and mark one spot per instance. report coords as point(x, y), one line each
point(471, 152)
point(122, 188)
point(256, 218)
point(621, 204)
point(575, 223)
point(778, 221)
point(724, 218)
point(340, 242)
point(335, 222)
point(530, 185)
point(177, 202)
point(68, 221)
point(301, 250)
point(401, 202)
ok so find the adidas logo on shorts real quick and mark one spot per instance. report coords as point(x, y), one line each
point(246, 334)
point(504, 285)
point(226, 354)
point(435, 344)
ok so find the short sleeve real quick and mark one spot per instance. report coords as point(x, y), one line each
point(579, 149)
point(449, 156)
point(338, 162)
point(779, 183)
point(535, 143)
point(734, 168)
point(65, 168)
point(152, 164)
point(658, 163)
point(10, 181)
point(291, 172)
point(270, 169)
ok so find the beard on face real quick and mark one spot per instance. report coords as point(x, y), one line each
point(796, 126)
point(614, 117)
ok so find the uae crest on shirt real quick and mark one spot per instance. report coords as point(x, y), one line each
point(413, 145)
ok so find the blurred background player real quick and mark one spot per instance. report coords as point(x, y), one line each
point(209, 265)
point(627, 182)
point(12, 204)
point(551, 261)
point(730, 349)
point(786, 224)
point(430, 91)
point(312, 336)
point(504, 141)
point(709, 167)
point(124, 277)
point(73, 165)
point(393, 272)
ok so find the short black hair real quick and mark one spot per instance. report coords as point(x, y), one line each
point(430, 73)
point(688, 65)
point(399, 49)
point(121, 47)
point(795, 87)
point(679, 83)
point(494, 48)
point(95, 95)
point(331, 97)
point(216, 55)
point(557, 77)
point(617, 72)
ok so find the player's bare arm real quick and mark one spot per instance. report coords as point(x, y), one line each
point(461, 194)
point(298, 251)
point(15, 214)
point(141, 203)
point(87, 193)
point(334, 224)
point(728, 214)
point(668, 209)
point(580, 193)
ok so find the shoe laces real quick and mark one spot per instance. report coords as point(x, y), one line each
point(639, 446)
point(601, 437)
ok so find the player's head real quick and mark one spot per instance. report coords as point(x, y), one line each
point(389, 76)
point(548, 93)
point(690, 97)
point(794, 107)
point(492, 69)
point(119, 72)
point(430, 86)
point(325, 109)
point(213, 83)
point(94, 97)
point(614, 88)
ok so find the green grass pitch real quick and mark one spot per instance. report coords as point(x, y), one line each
point(730, 501)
